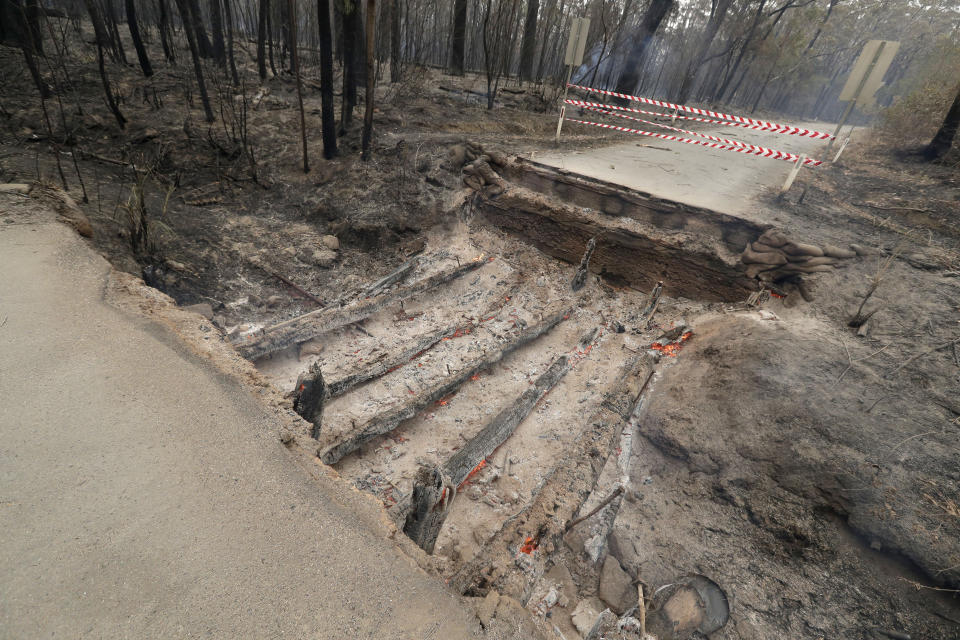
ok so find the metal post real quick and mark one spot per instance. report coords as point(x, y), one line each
point(563, 105)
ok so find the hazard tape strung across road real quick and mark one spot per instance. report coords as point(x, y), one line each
point(769, 126)
point(757, 151)
point(735, 143)
point(757, 127)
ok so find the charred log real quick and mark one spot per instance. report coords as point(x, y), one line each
point(387, 421)
point(541, 524)
point(310, 325)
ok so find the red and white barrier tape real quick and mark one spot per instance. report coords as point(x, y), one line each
point(761, 124)
point(583, 103)
point(735, 143)
point(757, 151)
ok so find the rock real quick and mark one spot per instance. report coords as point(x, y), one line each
point(330, 242)
point(203, 308)
point(616, 588)
point(289, 252)
point(585, 615)
point(311, 348)
point(274, 301)
point(511, 612)
point(678, 615)
point(14, 187)
point(487, 608)
point(324, 258)
point(604, 626)
point(921, 261)
point(220, 321)
point(678, 329)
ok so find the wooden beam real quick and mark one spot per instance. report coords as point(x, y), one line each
point(388, 362)
point(387, 421)
point(428, 507)
point(541, 523)
point(310, 325)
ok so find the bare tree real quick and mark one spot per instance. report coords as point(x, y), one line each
point(326, 79)
point(395, 62)
point(371, 81)
point(264, 11)
point(131, 10)
point(717, 16)
point(528, 49)
point(654, 15)
point(457, 43)
point(100, 33)
point(351, 36)
point(189, 28)
point(945, 136)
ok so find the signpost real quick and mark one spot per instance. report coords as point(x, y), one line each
point(861, 86)
point(573, 59)
point(865, 79)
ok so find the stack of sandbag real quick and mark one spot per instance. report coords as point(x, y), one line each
point(477, 165)
point(773, 257)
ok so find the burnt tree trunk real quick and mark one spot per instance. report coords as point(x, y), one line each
point(137, 41)
point(295, 65)
point(116, 45)
point(329, 125)
point(371, 82)
point(264, 7)
point(189, 28)
point(713, 26)
point(351, 34)
point(17, 29)
point(395, 41)
point(164, 28)
point(102, 38)
point(630, 77)
point(309, 396)
point(228, 14)
point(219, 49)
point(204, 48)
point(458, 42)
point(528, 49)
point(943, 140)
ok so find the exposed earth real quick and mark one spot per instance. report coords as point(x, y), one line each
point(807, 467)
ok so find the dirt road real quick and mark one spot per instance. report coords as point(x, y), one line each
point(720, 180)
point(145, 494)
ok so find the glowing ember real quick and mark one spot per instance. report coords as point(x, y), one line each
point(671, 348)
point(529, 546)
point(477, 468)
point(776, 295)
point(475, 377)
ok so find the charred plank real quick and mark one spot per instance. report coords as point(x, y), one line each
point(310, 325)
point(387, 421)
point(540, 525)
point(430, 503)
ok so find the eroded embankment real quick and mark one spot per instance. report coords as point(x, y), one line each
point(640, 239)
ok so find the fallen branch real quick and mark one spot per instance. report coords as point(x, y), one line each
point(924, 353)
point(852, 362)
point(595, 510)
